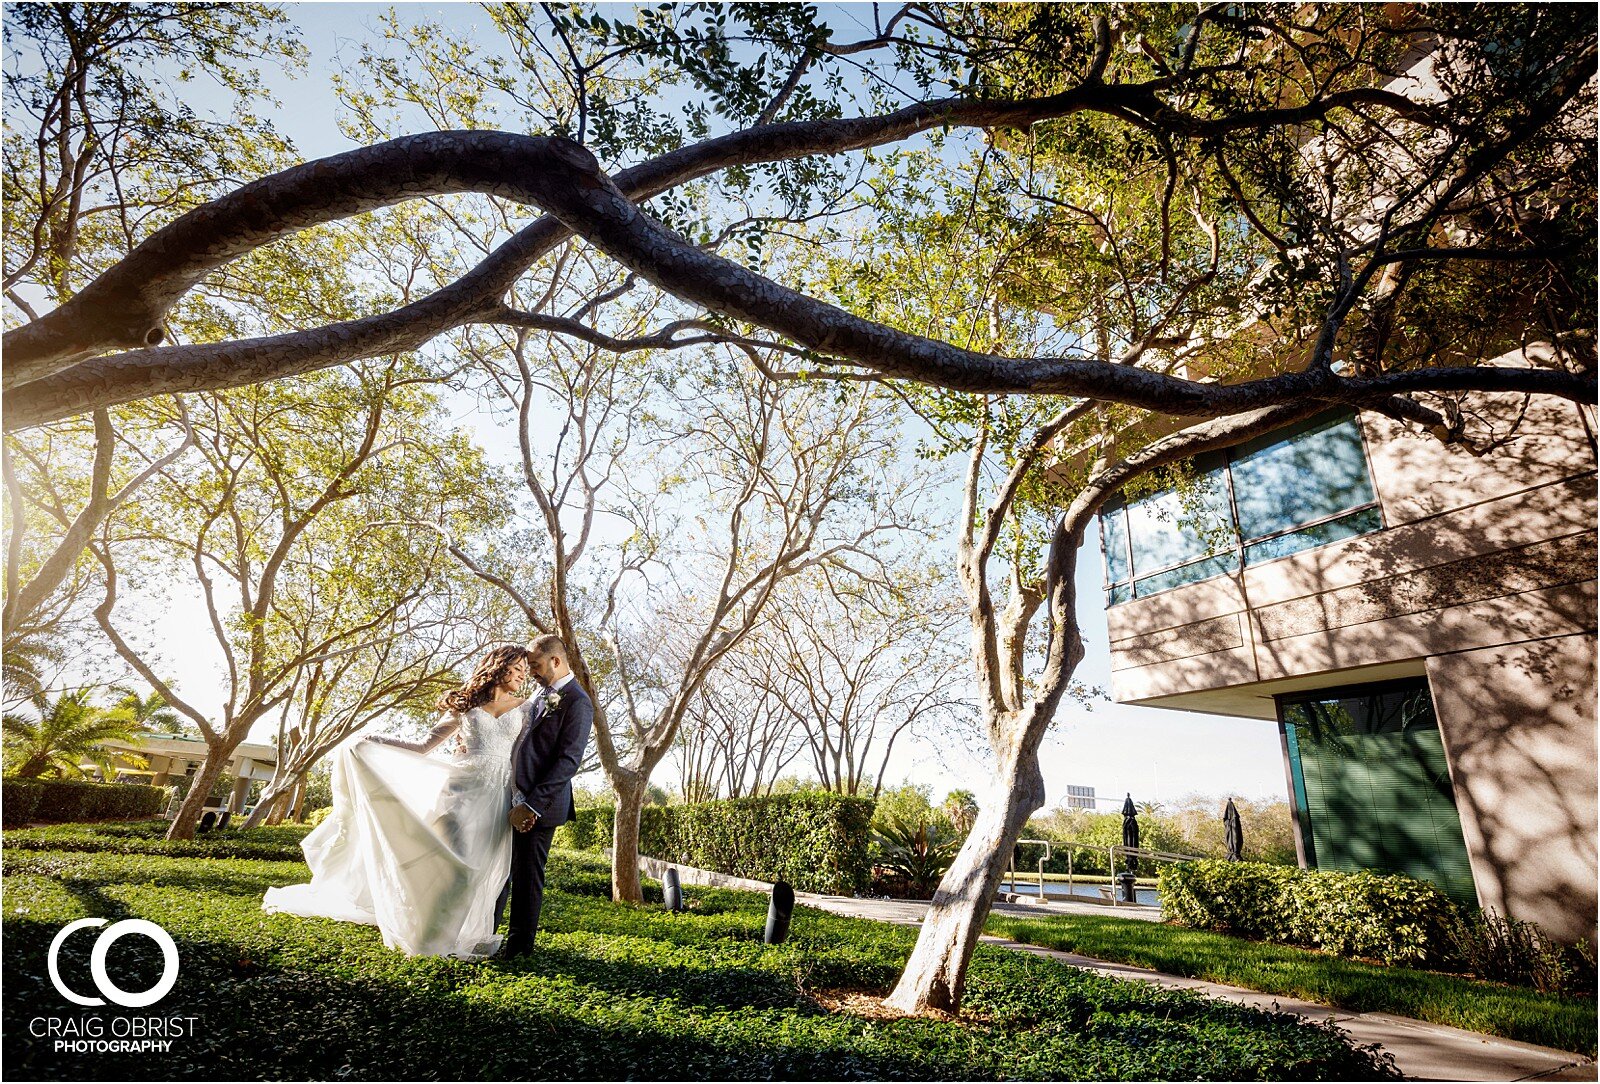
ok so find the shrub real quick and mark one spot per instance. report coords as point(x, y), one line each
point(917, 851)
point(590, 830)
point(55, 801)
point(1384, 917)
point(317, 816)
point(1491, 946)
point(280, 843)
point(20, 801)
point(817, 842)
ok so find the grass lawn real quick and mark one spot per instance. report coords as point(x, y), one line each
point(613, 992)
point(1516, 1013)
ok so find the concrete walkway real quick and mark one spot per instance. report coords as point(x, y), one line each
point(1421, 1051)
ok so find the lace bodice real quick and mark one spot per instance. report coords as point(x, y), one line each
point(482, 735)
point(474, 733)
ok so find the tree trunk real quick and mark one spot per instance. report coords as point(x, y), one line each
point(935, 974)
point(187, 822)
point(262, 813)
point(625, 886)
point(297, 811)
point(280, 808)
point(268, 809)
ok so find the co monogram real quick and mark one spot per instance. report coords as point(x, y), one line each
point(97, 963)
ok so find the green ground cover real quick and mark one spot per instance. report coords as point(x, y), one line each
point(613, 992)
point(279, 843)
point(1511, 1011)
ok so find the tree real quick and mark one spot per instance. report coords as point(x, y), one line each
point(839, 670)
point(1046, 66)
point(772, 481)
point(67, 732)
point(291, 480)
point(24, 662)
point(97, 151)
point(1368, 231)
point(407, 656)
point(862, 665)
point(961, 806)
point(739, 733)
point(53, 510)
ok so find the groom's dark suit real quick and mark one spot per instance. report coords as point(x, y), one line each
point(543, 761)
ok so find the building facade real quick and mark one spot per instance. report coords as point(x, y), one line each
point(1416, 620)
point(161, 760)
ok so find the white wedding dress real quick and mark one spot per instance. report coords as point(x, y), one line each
point(417, 843)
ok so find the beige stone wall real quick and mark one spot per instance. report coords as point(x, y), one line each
point(1483, 578)
point(1518, 723)
point(1476, 551)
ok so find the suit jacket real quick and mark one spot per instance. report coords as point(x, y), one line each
point(547, 753)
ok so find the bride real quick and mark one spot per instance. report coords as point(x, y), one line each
point(418, 843)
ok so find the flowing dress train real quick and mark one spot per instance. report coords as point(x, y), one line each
point(417, 843)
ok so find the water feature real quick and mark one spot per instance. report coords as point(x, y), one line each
point(1054, 890)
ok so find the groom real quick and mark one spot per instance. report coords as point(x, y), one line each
point(543, 760)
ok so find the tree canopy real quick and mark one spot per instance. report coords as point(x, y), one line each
point(1364, 155)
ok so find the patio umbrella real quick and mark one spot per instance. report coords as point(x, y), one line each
point(1233, 832)
point(1130, 831)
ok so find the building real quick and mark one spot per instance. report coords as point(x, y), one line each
point(1415, 620)
point(1078, 798)
point(161, 760)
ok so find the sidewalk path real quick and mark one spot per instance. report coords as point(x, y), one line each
point(1422, 1051)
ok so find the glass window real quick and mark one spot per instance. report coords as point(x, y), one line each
point(1286, 480)
point(1193, 572)
point(1182, 524)
point(1114, 537)
point(1320, 534)
point(1270, 497)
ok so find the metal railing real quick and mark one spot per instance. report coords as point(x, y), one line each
point(1042, 860)
point(1141, 854)
point(1112, 854)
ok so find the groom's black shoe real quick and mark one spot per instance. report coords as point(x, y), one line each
point(514, 947)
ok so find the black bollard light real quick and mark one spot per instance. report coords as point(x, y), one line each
point(671, 892)
point(779, 911)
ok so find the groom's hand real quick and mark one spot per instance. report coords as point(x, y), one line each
point(522, 818)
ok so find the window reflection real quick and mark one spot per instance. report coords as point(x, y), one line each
point(1300, 477)
point(1267, 498)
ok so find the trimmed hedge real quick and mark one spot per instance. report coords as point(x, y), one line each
point(56, 801)
point(1394, 919)
point(817, 842)
point(19, 801)
point(590, 830)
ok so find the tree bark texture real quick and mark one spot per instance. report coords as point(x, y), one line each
point(935, 975)
point(187, 822)
point(54, 370)
point(625, 885)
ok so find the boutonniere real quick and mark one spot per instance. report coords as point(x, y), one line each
point(552, 700)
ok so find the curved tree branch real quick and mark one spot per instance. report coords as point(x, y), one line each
point(125, 307)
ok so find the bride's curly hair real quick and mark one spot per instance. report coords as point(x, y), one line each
point(479, 688)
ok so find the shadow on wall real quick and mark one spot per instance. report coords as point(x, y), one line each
point(1486, 570)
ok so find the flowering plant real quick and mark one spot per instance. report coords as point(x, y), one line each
point(552, 700)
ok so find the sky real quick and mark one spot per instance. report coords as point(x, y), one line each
point(1156, 755)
